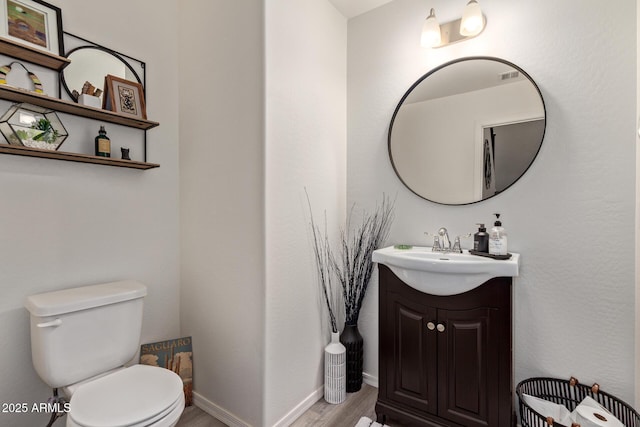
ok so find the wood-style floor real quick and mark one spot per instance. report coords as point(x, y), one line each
point(346, 414)
point(321, 414)
point(196, 417)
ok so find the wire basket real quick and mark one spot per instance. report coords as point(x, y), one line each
point(569, 393)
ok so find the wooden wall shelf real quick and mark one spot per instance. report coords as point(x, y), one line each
point(21, 95)
point(57, 63)
point(33, 55)
point(75, 157)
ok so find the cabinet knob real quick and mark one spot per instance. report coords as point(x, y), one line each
point(440, 327)
point(431, 326)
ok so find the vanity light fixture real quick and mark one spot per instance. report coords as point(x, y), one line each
point(470, 25)
point(431, 36)
point(472, 22)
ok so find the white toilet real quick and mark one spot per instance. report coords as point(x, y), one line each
point(80, 340)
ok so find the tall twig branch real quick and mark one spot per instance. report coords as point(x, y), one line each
point(354, 266)
point(322, 252)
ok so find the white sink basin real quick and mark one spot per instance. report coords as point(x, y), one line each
point(440, 273)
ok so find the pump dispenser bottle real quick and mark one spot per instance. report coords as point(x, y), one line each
point(498, 238)
point(481, 239)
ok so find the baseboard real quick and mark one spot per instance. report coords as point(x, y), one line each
point(301, 408)
point(370, 379)
point(216, 411)
point(308, 402)
point(233, 421)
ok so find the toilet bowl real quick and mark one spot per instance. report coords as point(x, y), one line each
point(81, 339)
point(132, 397)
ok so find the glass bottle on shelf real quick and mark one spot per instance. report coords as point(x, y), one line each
point(103, 143)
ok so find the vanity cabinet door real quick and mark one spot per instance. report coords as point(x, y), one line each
point(445, 360)
point(469, 366)
point(411, 365)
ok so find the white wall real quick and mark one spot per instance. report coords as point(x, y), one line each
point(242, 191)
point(305, 148)
point(70, 224)
point(637, 323)
point(221, 84)
point(571, 216)
point(259, 338)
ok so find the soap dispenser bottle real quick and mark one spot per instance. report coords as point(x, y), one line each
point(481, 239)
point(498, 238)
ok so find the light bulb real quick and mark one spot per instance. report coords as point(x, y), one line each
point(472, 19)
point(431, 31)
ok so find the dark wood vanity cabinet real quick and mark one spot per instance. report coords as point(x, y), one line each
point(445, 360)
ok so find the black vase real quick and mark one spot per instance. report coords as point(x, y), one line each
point(352, 340)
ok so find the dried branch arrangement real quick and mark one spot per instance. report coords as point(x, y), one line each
point(352, 265)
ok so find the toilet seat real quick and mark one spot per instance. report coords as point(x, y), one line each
point(138, 396)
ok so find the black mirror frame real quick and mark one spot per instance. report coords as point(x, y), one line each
point(429, 73)
point(119, 56)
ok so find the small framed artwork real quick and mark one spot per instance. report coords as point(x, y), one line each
point(175, 355)
point(32, 22)
point(124, 96)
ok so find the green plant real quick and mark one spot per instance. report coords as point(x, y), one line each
point(22, 134)
point(49, 134)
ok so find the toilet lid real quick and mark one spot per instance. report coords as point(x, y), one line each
point(128, 397)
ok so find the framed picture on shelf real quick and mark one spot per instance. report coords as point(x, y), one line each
point(34, 23)
point(124, 97)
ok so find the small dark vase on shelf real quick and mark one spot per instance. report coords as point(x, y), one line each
point(352, 340)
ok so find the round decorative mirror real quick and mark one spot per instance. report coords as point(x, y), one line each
point(92, 64)
point(467, 130)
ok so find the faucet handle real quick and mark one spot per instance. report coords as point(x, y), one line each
point(456, 244)
point(436, 245)
point(436, 242)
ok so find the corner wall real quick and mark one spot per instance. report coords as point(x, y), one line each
point(68, 224)
point(637, 229)
point(246, 249)
point(571, 216)
point(305, 148)
point(221, 81)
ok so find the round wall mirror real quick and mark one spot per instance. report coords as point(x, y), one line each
point(467, 130)
point(92, 64)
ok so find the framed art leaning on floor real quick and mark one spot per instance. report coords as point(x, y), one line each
point(175, 355)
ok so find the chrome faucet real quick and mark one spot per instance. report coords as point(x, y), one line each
point(443, 238)
point(442, 243)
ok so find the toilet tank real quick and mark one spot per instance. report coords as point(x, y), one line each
point(81, 332)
